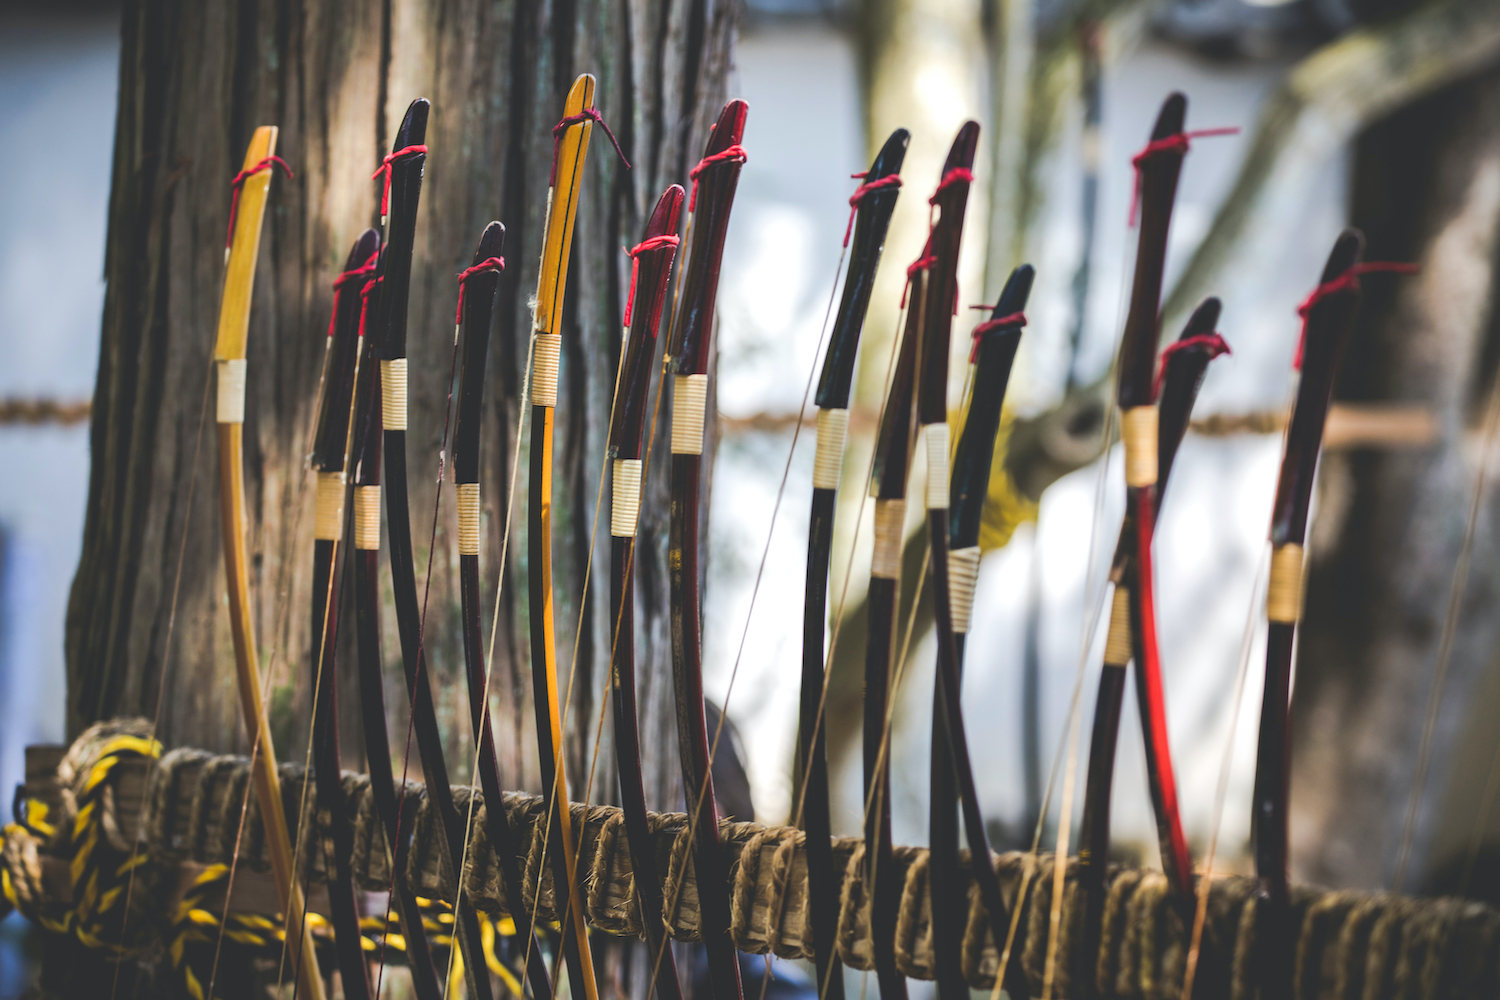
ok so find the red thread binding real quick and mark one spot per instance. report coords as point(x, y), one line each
point(490, 265)
point(586, 115)
point(239, 182)
point(654, 243)
point(364, 302)
point(864, 190)
point(958, 175)
point(1346, 282)
point(922, 263)
point(1177, 142)
point(385, 168)
point(1014, 319)
point(733, 154)
point(1214, 344)
point(368, 267)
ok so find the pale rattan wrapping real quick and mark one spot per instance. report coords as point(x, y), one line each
point(963, 573)
point(936, 436)
point(1117, 642)
point(1284, 595)
point(544, 369)
point(833, 428)
point(393, 394)
point(689, 400)
point(626, 502)
point(468, 519)
point(231, 400)
point(367, 518)
point(890, 520)
point(1138, 431)
point(328, 521)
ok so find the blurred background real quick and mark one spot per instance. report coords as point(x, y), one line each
point(1379, 113)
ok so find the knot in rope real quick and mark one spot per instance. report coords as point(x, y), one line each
point(732, 154)
point(385, 167)
point(490, 265)
point(1009, 320)
point(269, 163)
point(891, 182)
point(368, 267)
point(1212, 343)
point(1177, 142)
point(586, 115)
point(654, 243)
point(1348, 281)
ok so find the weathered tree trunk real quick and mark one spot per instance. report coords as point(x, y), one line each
point(144, 639)
point(1427, 189)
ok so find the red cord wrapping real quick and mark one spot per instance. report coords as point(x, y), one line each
point(586, 115)
point(239, 182)
point(654, 243)
point(1346, 282)
point(732, 154)
point(922, 263)
point(1177, 142)
point(364, 302)
point(860, 193)
point(958, 175)
point(368, 267)
point(385, 168)
point(1214, 344)
point(1015, 319)
point(490, 265)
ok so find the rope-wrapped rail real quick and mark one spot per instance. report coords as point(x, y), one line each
point(1349, 944)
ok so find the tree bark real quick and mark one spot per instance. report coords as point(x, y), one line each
point(1427, 189)
point(146, 639)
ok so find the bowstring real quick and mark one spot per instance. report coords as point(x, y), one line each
point(489, 656)
point(328, 615)
point(1221, 792)
point(1445, 643)
point(161, 687)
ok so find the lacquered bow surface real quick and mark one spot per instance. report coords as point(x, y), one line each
point(714, 182)
point(253, 188)
point(872, 204)
point(651, 269)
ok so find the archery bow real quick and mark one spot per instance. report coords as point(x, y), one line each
point(365, 458)
point(1157, 170)
point(571, 143)
point(402, 171)
point(476, 303)
point(715, 178)
point(650, 271)
point(252, 188)
point(1328, 315)
point(330, 444)
point(1183, 366)
point(871, 207)
point(994, 353)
